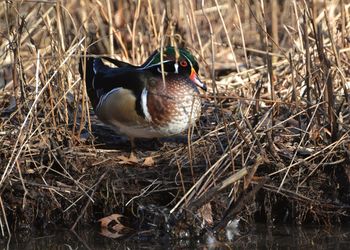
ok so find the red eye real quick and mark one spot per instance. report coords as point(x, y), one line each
point(183, 63)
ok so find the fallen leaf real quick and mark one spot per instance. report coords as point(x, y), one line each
point(111, 226)
point(131, 160)
point(148, 162)
point(30, 171)
point(109, 221)
point(206, 213)
point(110, 234)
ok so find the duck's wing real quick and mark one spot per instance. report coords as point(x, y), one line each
point(104, 82)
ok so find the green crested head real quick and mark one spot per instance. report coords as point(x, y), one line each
point(182, 56)
point(174, 61)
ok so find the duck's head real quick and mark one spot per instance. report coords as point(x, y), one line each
point(175, 61)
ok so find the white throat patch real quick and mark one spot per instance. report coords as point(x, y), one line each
point(176, 66)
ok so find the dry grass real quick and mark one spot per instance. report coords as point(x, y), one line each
point(273, 140)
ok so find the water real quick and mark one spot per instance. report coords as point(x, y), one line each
point(259, 237)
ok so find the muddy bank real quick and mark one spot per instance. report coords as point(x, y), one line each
point(83, 184)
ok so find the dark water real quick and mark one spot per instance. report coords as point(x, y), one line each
point(259, 237)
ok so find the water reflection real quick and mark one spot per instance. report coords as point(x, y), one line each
point(292, 237)
point(260, 237)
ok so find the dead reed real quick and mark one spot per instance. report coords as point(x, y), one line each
point(272, 143)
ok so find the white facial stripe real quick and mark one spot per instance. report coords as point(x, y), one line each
point(153, 65)
point(176, 65)
point(104, 97)
point(144, 105)
point(146, 66)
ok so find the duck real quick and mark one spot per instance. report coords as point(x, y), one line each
point(159, 98)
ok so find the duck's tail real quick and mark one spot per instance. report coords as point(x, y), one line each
point(88, 73)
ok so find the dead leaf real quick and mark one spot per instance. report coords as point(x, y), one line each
point(111, 226)
point(207, 214)
point(148, 162)
point(110, 234)
point(131, 160)
point(30, 171)
point(109, 221)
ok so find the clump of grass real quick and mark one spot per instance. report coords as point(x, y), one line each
point(272, 141)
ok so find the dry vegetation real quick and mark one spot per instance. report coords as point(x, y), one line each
point(272, 144)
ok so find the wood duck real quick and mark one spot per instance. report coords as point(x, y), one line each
point(157, 99)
